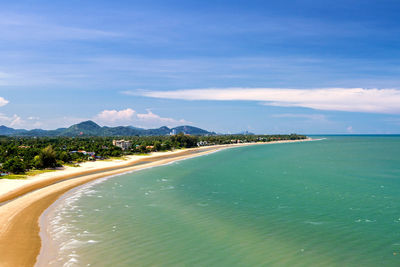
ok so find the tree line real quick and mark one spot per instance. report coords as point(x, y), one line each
point(19, 154)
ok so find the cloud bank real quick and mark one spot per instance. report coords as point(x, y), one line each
point(115, 115)
point(336, 99)
point(106, 117)
point(131, 117)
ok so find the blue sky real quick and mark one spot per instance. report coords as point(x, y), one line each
point(227, 66)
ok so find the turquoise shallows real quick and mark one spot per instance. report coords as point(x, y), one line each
point(334, 202)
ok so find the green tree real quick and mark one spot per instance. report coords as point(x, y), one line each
point(65, 157)
point(167, 145)
point(14, 165)
point(142, 148)
point(47, 158)
point(157, 146)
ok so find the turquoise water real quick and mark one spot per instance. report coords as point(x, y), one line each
point(334, 202)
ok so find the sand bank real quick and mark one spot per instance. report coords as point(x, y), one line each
point(22, 202)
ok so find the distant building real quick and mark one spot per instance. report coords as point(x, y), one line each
point(173, 132)
point(122, 144)
point(202, 143)
point(92, 154)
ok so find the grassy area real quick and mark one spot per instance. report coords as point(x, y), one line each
point(25, 175)
point(14, 176)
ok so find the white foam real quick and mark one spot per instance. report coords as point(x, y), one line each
point(59, 233)
point(71, 262)
point(171, 187)
point(73, 243)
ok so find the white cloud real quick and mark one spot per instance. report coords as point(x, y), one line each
point(115, 115)
point(131, 117)
point(16, 121)
point(13, 121)
point(150, 116)
point(349, 129)
point(3, 102)
point(33, 118)
point(338, 99)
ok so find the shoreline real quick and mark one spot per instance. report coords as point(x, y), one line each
point(22, 207)
point(48, 253)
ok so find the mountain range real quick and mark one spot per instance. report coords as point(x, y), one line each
point(90, 128)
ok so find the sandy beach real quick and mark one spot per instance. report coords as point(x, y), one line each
point(23, 201)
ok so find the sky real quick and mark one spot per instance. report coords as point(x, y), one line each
point(309, 67)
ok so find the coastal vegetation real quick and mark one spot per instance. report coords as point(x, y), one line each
point(19, 155)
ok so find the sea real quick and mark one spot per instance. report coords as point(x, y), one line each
point(331, 202)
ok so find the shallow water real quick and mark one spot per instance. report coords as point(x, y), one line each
point(334, 202)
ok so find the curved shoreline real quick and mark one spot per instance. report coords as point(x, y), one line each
point(21, 209)
point(47, 252)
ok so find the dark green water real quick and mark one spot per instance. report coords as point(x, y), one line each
point(334, 202)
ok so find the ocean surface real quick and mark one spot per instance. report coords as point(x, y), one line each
point(334, 202)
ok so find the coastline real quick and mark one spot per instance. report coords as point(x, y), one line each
point(22, 207)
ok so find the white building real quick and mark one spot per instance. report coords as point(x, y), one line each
point(122, 144)
point(202, 143)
